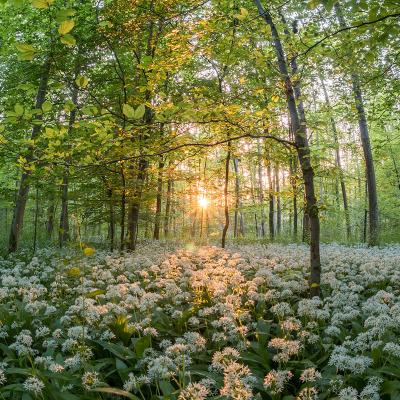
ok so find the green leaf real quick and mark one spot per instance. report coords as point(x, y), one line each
point(42, 3)
point(166, 387)
point(243, 14)
point(69, 106)
point(105, 24)
point(27, 52)
point(19, 110)
point(63, 14)
point(81, 81)
point(25, 48)
point(128, 111)
point(95, 293)
point(66, 27)
point(313, 4)
point(47, 106)
point(115, 391)
point(68, 39)
point(139, 112)
point(141, 345)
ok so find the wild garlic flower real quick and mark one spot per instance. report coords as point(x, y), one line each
point(33, 384)
point(310, 375)
point(90, 380)
point(238, 382)
point(275, 380)
point(194, 391)
point(3, 378)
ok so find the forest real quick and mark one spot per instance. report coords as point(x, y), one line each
point(200, 199)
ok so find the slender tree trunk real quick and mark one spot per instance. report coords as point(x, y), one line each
point(303, 151)
point(134, 206)
point(24, 184)
point(365, 217)
point(226, 205)
point(338, 160)
point(36, 219)
point(278, 201)
point(157, 222)
point(64, 217)
point(111, 218)
point(373, 237)
point(168, 208)
point(261, 188)
point(253, 197)
point(50, 216)
point(237, 198)
point(294, 190)
point(123, 210)
point(270, 201)
point(63, 235)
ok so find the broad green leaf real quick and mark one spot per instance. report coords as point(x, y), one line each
point(68, 39)
point(139, 112)
point(66, 27)
point(19, 110)
point(63, 14)
point(25, 48)
point(26, 51)
point(69, 106)
point(243, 14)
point(47, 106)
point(81, 81)
point(128, 111)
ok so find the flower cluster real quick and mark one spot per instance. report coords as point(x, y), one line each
point(200, 323)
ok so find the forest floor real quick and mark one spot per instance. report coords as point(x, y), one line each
point(200, 322)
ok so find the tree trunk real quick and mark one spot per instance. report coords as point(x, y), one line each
point(64, 217)
point(303, 151)
point(278, 202)
point(261, 188)
point(50, 216)
point(157, 221)
point(293, 165)
point(111, 218)
point(237, 198)
point(36, 219)
point(63, 235)
point(134, 206)
point(373, 237)
point(123, 210)
point(270, 201)
point(338, 160)
point(23, 191)
point(226, 206)
point(168, 209)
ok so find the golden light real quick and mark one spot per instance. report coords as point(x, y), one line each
point(203, 202)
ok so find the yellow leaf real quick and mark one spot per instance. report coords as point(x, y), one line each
point(66, 26)
point(68, 39)
point(74, 271)
point(275, 98)
point(81, 81)
point(42, 3)
point(88, 251)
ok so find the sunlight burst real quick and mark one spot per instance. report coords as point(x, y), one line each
point(203, 202)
